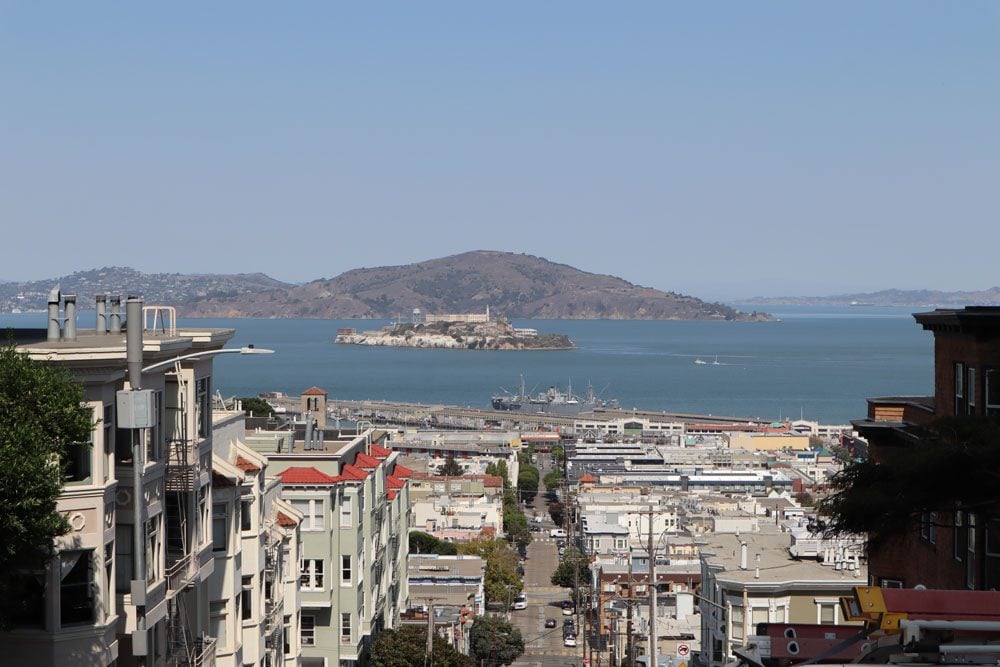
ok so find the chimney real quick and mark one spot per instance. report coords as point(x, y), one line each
point(133, 341)
point(102, 314)
point(70, 304)
point(116, 315)
point(743, 555)
point(55, 331)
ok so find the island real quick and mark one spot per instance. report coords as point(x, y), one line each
point(457, 332)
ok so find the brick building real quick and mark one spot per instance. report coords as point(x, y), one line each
point(959, 549)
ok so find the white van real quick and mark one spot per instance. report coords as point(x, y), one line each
point(557, 532)
point(520, 602)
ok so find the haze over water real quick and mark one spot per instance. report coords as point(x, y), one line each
point(820, 362)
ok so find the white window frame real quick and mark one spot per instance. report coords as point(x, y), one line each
point(307, 630)
point(827, 603)
point(346, 511)
point(313, 516)
point(311, 573)
point(992, 376)
point(348, 569)
point(345, 627)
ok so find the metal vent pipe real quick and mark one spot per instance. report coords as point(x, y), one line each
point(133, 341)
point(101, 326)
point(55, 330)
point(116, 315)
point(69, 301)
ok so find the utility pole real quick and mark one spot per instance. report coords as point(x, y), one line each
point(429, 657)
point(631, 601)
point(652, 594)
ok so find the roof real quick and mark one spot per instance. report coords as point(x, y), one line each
point(379, 452)
point(362, 460)
point(314, 391)
point(306, 475)
point(352, 472)
point(391, 495)
point(587, 478)
point(394, 482)
point(221, 480)
point(402, 472)
point(246, 465)
point(285, 520)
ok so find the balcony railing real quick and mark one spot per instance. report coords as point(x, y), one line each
point(180, 572)
point(204, 655)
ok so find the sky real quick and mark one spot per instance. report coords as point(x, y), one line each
point(720, 149)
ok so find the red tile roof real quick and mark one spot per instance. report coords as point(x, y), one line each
point(495, 481)
point(352, 472)
point(391, 495)
point(303, 475)
point(379, 452)
point(362, 460)
point(285, 520)
point(587, 478)
point(245, 465)
point(402, 472)
point(314, 391)
point(488, 531)
point(394, 482)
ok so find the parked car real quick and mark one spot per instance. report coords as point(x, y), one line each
point(567, 623)
point(550, 622)
point(535, 529)
point(557, 532)
point(569, 640)
point(520, 602)
point(520, 570)
point(567, 610)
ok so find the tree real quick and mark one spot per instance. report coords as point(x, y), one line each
point(451, 468)
point(44, 426)
point(527, 483)
point(558, 512)
point(558, 453)
point(256, 407)
point(951, 465)
point(501, 581)
point(573, 562)
point(424, 543)
point(407, 647)
point(495, 642)
point(552, 480)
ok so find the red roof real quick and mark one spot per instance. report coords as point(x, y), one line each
point(402, 472)
point(352, 472)
point(362, 460)
point(587, 478)
point(285, 520)
point(379, 452)
point(391, 495)
point(306, 476)
point(245, 465)
point(495, 481)
point(394, 482)
point(314, 391)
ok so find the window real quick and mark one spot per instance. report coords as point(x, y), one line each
point(217, 621)
point(108, 426)
point(77, 463)
point(737, 623)
point(125, 438)
point(307, 630)
point(959, 537)
point(246, 518)
point(204, 519)
point(959, 389)
point(220, 528)
point(76, 587)
point(885, 582)
point(153, 557)
point(246, 599)
point(928, 527)
point(992, 391)
point(345, 628)
point(311, 575)
point(123, 554)
point(109, 578)
point(779, 614)
point(991, 568)
point(970, 559)
point(312, 514)
point(154, 435)
point(827, 612)
point(203, 409)
point(285, 645)
point(970, 390)
point(346, 519)
point(345, 569)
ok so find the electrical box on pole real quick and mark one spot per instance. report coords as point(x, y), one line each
point(136, 409)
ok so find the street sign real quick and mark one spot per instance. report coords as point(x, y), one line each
point(683, 650)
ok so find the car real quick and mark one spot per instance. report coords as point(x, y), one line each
point(557, 532)
point(535, 529)
point(569, 640)
point(567, 623)
point(550, 622)
point(536, 519)
point(520, 602)
point(568, 611)
point(520, 570)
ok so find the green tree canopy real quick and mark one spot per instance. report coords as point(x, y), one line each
point(572, 561)
point(494, 641)
point(552, 480)
point(256, 407)
point(407, 647)
point(451, 468)
point(527, 483)
point(951, 465)
point(557, 511)
point(424, 543)
point(41, 418)
point(501, 581)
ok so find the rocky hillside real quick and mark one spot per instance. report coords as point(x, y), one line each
point(518, 286)
point(892, 297)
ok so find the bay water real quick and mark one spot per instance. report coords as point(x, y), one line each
point(818, 362)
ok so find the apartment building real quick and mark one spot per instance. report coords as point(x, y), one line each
point(456, 509)
point(353, 496)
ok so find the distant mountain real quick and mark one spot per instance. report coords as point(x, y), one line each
point(517, 286)
point(890, 297)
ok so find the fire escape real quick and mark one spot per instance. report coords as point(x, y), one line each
point(274, 589)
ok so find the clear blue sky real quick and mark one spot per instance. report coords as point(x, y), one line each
point(721, 149)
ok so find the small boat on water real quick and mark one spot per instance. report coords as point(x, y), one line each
point(699, 361)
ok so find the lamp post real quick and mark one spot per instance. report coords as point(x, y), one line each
point(195, 356)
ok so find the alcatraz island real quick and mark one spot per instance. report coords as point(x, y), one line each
point(466, 331)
